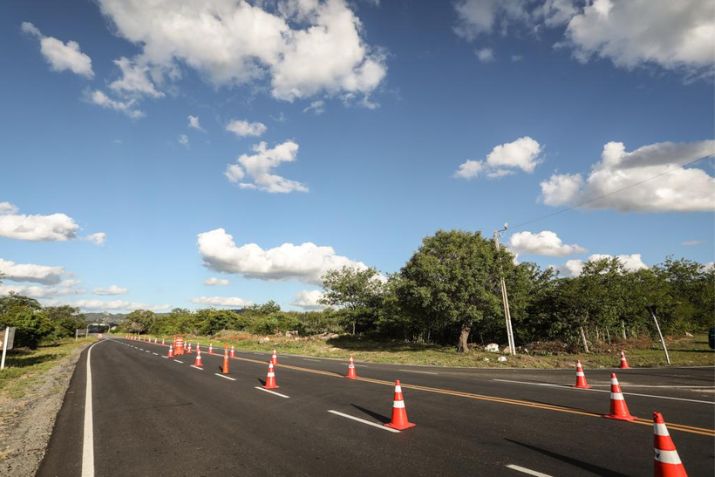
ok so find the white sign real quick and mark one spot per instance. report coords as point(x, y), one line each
point(8, 340)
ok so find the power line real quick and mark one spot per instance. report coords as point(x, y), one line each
point(596, 199)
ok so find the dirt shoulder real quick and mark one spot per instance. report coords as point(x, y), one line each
point(28, 412)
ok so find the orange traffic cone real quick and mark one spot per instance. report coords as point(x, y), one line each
point(225, 361)
point(580, 377)
point(399, 413)
point(619, 410)
point(171, 352)
point(351, 369)
point(271, 378)
point(624, 361)
point(198, 363)
point(211, 348)
point(233, 353)
point(667, 462)
point(274, 358)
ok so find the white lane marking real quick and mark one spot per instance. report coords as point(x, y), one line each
point(712, 403)
point(196, 367)
point(177, 361)
point(314, 360)
point(271, 392)
point(631, 385)
point(419, 372)
point(348, 416)
point(224, 377)
point(88, 433)
point(165, 357)
point(524, 470)
point(147, 351)
point(155, 354)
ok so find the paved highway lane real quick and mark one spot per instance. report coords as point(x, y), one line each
point(155, 416)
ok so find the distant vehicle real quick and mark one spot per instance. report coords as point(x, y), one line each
point(711, 338)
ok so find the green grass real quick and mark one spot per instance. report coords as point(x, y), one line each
point(23, 367)
point(683, 352)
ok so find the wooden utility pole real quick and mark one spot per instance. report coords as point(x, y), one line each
point(651, 309)
point(505, 296)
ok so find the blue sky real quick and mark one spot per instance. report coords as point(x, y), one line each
point(382, 121)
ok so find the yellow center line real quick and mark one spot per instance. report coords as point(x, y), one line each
point(502, 400)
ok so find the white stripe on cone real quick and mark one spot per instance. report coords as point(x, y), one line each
point(660, 430)
point(617, 396)
point(667, 457)
point(398, 404)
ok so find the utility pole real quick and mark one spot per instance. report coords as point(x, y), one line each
point(505, 296)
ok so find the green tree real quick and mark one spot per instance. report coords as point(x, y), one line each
point(357, 294)
point(452, 283)
point(140, 321)
point(28, 317)
point(66, 319)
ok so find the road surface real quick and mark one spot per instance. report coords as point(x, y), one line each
point(151, 415)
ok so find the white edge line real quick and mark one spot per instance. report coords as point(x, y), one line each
point(196, 367)
point(271, 392)
point(88, 432)
point(524, 470)
point(177, 361)
point(606, 391)
point(348, 416)
point(418, 372)
point(224, 377)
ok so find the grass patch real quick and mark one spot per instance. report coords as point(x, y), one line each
point(683, 352)
point(23, 367)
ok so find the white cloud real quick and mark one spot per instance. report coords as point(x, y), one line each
point(135, 79)
point(651, 178)
point(183, 139)
point(309, 300)
point(630, 33)
point(260, 165)
point(304, 47)
point(127, 107)
point(306, 262)
point(97, 238)
point(485, 55)
point(194, 123)
point(212, 282)
point(61, 56)
point(504, 159)
point(63, 288)
point(53, 227)
point(635, 32)
point(545, 242)
point(111, 290)
point(115, 306)
point(574, 268)
point(231, 301)
point(692, 243)
point(316, 107)
point(28, 272)
point(244, 128)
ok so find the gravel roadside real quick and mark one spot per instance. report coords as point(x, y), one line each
point(26, 424)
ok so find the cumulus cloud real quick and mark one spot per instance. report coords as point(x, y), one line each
point(229, 301)
point(28, 272)
point(574, 268)
point(316, 107)
point(111, 290)
point(504, 159)
point(306, 262)
point(545, 242)
point(135, 79)
point(652, 178)
point(194, 122)
point(97, 238)
point(61, 56)
point(115, 306)
point(212, 282)
point(303, 47)
point(672, 35)
point(485, 55)
point(183, 139)
point(127, 107)
point(259, 166)
point(244, 128)
point(53, 227)
point(63, 288)
point(309, 300)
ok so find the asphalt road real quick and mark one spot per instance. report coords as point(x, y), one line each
point(156, 416)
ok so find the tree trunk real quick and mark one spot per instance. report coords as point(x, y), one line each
point(463, 345)
point(583, 339)
point(354, 324)
point(598, 336)
point(623, 330)
point(608, 335)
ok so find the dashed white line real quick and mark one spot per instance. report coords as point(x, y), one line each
point(418, 372)
point(314, 360)
point(524, 470)
point(196, 367)
point(271, 392)
point(155, 354)
point(712, 403)
point(224, 377)
point(348, 416)
point(177, 361)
